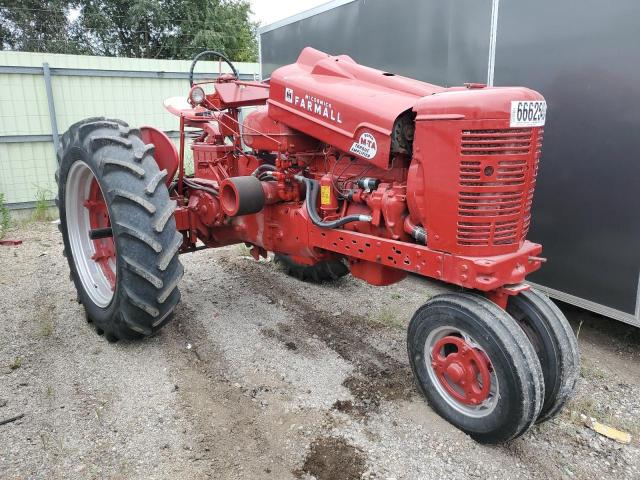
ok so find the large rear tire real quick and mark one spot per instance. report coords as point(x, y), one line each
point(555, 344)
point(108, 179)
point(475, 366)
point(323, 271)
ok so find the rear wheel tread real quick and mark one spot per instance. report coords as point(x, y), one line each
point(138, 235)
point(132, 197)
point(171, 285)
point(135, 326)
point(148, 149)
point(155, 181)
point(97, 142)
point(86, 128)
point(170, 251)
point(164, 217)
point(142, 272)
point(143, 305)
point(123, 164)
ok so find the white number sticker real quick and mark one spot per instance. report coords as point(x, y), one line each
point(528, 113)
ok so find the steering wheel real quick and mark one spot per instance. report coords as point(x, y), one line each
point(213, 53)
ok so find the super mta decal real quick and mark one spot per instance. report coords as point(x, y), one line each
point(313, 104)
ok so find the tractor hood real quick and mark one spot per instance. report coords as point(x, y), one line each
point(342, 103)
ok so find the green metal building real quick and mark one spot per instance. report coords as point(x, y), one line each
point(41, 93)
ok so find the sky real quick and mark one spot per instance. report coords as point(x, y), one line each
point(269, 11)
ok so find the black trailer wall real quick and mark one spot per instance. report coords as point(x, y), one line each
point(583, 56)
point(441, 42)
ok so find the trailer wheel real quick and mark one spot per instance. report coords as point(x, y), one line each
point(326, 270)
point(126, 272)
point(555, 344)
point(475, 366)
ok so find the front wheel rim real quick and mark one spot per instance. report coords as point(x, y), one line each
point(461, 372)
point(94, 260)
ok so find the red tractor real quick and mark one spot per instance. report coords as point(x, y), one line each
point(336, 168)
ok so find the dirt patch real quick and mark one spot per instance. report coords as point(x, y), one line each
point(344, 406)
point(372, 384)
point(282, 333)
point(332, 458)
point(378, 376)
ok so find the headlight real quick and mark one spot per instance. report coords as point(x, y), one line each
point(196, 95)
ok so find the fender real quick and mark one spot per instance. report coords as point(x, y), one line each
point(166, 154)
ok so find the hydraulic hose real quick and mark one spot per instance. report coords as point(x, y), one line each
point(418, 233)
point(263, 168)
point(196, 186)
point(311, 199)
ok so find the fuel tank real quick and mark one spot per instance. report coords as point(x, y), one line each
point(342, 103)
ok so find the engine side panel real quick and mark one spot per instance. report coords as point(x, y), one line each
point(343, 104)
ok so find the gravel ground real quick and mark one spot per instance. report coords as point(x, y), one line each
point(260, 376)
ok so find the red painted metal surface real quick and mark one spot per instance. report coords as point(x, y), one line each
point(281, 138)
point(10, 242)
point(338, 101)
point(105, 251)
point(249, 93)
point(463, 371)
point(165, 152)
point(473, 179)
point(446, 182)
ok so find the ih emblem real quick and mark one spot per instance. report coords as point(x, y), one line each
point(288, 95)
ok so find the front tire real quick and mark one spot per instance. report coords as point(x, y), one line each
point(475, 366)
point(108, 179)
point(555, 344)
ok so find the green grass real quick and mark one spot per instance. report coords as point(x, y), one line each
point(16, 364)
point(601, 411)
point(591, 371)
point(389, 319)
point(41, 209)
point(5, 219)
point(46, 328)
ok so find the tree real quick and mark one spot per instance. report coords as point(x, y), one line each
point(132, 28)
point(222, 26)
point(166, 28)
point(36, 26)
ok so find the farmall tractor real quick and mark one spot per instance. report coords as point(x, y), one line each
point(337, 168)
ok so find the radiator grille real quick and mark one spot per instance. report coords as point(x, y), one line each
point(496, 183)
point(526, 222)
point(496, 142)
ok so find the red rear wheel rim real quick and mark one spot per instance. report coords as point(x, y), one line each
point(105, 252)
